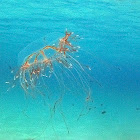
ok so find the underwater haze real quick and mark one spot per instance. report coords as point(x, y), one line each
point(90, 88)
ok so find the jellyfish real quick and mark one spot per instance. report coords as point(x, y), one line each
point(54, 72)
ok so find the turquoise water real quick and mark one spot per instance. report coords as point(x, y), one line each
point(110, 46)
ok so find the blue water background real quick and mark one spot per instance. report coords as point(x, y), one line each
point(111, 32)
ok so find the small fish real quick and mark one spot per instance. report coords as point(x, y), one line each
point(103, 112)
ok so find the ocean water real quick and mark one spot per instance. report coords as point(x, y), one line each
point(110, 32)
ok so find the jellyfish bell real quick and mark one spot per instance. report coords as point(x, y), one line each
point(49, 39)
